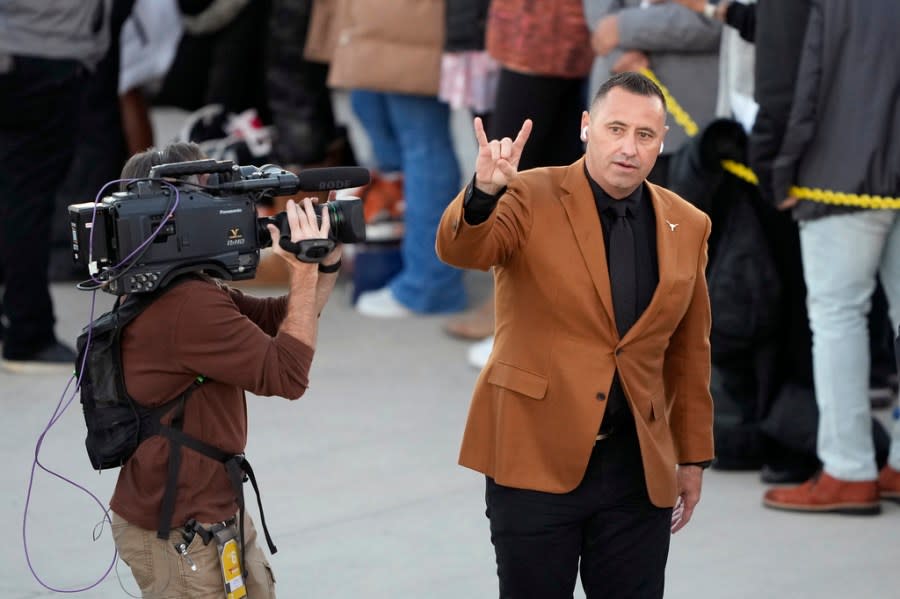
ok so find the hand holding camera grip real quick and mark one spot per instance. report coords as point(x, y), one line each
point(307, 250)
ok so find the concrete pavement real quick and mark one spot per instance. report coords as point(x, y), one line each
point(364, 497)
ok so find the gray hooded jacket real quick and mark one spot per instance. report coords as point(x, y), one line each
point(73, 29)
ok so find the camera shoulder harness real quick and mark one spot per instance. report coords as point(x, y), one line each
point(117, 424)
point(236, 466)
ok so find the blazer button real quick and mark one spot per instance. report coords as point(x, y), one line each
point(601, 396)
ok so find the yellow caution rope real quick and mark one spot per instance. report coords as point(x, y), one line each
point(744, 172)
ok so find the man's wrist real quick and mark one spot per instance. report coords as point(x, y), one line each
point(704, 465)
point(476, 191)
point(330, 268)
point(302, 273)
point(488, 189)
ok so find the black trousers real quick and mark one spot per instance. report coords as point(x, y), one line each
point(100, 149)
point(607, 522)
point(38, 119)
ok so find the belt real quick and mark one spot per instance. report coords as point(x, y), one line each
point(192, 527)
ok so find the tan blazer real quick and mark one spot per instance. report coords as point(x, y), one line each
point(538, 403)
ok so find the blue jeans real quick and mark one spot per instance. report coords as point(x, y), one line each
point(842, 255)
point(412, 134)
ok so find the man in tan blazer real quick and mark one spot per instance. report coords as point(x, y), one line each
point(592, 419)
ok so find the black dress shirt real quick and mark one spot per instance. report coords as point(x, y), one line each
point(478, 205)
point(643, 222)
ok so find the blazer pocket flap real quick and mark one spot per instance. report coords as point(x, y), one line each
point(518, 380)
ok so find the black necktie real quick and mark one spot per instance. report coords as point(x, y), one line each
point(622, 267)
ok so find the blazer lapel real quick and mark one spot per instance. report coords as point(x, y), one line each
point(581, 210)
point(667, 234)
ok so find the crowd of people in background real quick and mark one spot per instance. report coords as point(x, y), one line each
point(798, 96)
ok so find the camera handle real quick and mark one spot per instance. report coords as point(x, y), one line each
point(307, 250)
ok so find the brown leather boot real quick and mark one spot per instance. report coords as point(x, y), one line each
point(826, 494)
point(889, 484)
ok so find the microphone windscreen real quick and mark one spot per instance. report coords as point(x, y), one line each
point(338, 177)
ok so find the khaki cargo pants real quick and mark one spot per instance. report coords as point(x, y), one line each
point(162, 573)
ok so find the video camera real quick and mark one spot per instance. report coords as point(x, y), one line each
point(164, 226)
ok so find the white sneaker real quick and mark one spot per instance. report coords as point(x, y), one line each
point(381, 304)
point(480, 352)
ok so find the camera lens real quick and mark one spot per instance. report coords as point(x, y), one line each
point(348, 223)
point(335, 216)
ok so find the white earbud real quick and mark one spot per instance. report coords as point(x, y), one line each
point(662, 145)
point(584, 133)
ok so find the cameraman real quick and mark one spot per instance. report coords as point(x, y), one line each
point(202, 327)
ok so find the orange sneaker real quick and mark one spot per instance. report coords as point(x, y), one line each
point(382, 198)
point(889, 484)
point(383, 208)
point(826, 494)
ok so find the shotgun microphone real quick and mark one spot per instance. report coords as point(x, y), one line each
point(337, 177)
point(274, 179)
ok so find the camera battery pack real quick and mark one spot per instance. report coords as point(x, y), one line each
point(84, 218)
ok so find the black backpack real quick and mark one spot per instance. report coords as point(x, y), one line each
point(117, 424)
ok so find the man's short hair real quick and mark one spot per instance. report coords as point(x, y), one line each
point(632, 82)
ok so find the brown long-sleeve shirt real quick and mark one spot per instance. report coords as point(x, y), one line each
point(200, 328)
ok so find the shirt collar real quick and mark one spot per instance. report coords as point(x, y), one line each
point(603, 199)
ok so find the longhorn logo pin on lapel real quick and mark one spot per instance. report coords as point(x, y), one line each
point(672, 226)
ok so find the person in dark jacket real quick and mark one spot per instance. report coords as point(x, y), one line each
point(46, 51)
point(466, 21)
point(220, 58)
point(745, 295)
point(843, 135)
point(778, 35)
point(299, 99)
point(101, 147)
